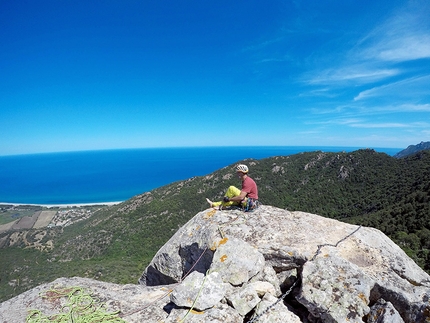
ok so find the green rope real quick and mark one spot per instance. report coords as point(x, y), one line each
point(79, 308)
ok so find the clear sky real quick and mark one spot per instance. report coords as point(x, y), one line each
point(83, 75)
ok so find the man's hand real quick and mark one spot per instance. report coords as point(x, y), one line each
point(226, 199)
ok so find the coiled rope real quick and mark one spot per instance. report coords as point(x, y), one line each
point(80, 307)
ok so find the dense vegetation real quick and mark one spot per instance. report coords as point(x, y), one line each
point(116, 243)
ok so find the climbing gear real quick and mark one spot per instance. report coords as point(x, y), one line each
point(333, 245)
point(256, 318)
point(242, 168)
point(197, 297)
point(80, 307)
point(170, 288)
point(249, 204)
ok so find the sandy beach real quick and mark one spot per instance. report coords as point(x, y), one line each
point(62, 205)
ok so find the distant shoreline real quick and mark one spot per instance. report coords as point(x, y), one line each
point(75, 178)
point(62, 205)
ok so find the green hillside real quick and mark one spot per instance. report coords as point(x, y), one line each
point(116, 243)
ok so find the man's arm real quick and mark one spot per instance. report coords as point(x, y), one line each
point(239, 197)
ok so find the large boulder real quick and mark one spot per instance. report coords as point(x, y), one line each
point(343, 270)
point(270, 265)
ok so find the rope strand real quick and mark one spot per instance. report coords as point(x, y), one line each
point(80, 307)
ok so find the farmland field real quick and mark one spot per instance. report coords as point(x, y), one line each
point(10, 213)
point(45, 217)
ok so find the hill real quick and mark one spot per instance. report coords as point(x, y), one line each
point(228, 266)
point(413, 149)
point(115, 244)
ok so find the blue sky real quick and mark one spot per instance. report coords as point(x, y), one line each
point(83, 75)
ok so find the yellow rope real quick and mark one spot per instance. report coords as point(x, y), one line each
point(80, 307)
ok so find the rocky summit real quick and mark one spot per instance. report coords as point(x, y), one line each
point(271, 265)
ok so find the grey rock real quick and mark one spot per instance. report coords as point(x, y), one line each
point(237, 261)
point(384, 312)
point(243, 299)
point(262, 288)
point(199, 291)
point(222, 313)
point(332, 272)
point(294, 240)
point(268, 274)
point(270, 310)
point(287, 278)
point(340, 297)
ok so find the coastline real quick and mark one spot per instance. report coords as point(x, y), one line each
point(62, 205)
point(72, 179)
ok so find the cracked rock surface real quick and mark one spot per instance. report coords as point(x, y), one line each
point(271, 265)
point(343, 270)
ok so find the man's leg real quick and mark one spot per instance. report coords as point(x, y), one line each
point(232, 191)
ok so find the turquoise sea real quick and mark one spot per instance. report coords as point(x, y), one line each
point(117, 175)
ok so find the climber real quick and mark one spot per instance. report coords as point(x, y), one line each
point(246, 198)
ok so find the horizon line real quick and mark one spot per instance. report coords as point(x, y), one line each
point(198, 147)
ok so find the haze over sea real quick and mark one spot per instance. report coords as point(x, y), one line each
point(117, 175)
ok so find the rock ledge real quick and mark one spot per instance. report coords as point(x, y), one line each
point(271, 265)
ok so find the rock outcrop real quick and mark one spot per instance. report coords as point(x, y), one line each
point(412, 149)
point(270, 265)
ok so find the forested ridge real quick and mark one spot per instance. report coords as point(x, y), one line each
point(116, 243)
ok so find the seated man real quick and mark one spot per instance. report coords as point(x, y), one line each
point(247, 197)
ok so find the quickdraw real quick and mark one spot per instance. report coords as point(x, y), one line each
point(251, 204)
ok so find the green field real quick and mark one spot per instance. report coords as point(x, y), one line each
point(10, 213)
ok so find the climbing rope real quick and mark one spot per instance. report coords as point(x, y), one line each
point(195, 263)
point(274, 304)
point(320, 246)
point(169, 291)
point(80, 307)
point(195, 300)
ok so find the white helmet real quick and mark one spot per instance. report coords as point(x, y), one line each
point(242, 168)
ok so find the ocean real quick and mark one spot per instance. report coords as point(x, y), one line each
point(117, 175)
